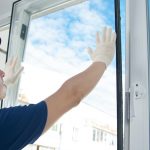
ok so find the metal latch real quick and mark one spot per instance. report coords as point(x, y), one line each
point(136, 92)
point(23, 32)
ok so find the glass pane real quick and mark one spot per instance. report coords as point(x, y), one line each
point(55, 51)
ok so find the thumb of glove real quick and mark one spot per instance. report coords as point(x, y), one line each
point(90, 52)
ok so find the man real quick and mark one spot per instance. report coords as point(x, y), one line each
point(22, 125)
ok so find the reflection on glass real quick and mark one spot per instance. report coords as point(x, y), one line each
point(56, 50)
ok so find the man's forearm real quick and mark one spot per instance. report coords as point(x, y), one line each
point(82, 83)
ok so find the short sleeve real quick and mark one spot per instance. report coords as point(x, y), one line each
point(21, 125)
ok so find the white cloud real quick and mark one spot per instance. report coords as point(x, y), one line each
point(51, 31)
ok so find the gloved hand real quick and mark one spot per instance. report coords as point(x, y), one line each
point(11, 75)
point(105, 47)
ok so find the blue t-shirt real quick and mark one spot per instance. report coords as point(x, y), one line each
point(21, 125)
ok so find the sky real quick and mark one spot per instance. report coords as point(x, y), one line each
point(56, 50)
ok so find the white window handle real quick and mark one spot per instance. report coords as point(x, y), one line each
point(137, 92)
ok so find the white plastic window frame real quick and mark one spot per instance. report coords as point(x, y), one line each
point(136, 82)
point(3, 46)
point(3, 49)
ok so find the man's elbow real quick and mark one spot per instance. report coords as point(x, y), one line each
point(74, 93)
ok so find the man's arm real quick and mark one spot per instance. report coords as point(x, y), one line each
point(72, 92)
point(76, 88)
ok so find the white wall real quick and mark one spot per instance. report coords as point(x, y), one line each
point(5, 10)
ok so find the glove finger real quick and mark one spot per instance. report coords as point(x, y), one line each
point(17, 74)
point(104, 34)
point(90, 51)
point(113, 37)
point(14, 62)
point(108, 34)
point(9, 62)
point(97, 38)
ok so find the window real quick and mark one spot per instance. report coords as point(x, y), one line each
point(53, 51)
point(103, 136)
point(94, 135)
point(75, 134)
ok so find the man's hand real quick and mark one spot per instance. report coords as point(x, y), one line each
point(11, 75)
point(105, 47)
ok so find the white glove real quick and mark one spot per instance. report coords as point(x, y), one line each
point(105, 47)
point(10, 74)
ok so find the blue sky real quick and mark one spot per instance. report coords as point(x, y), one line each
point(58, 42)
point(74, 27)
